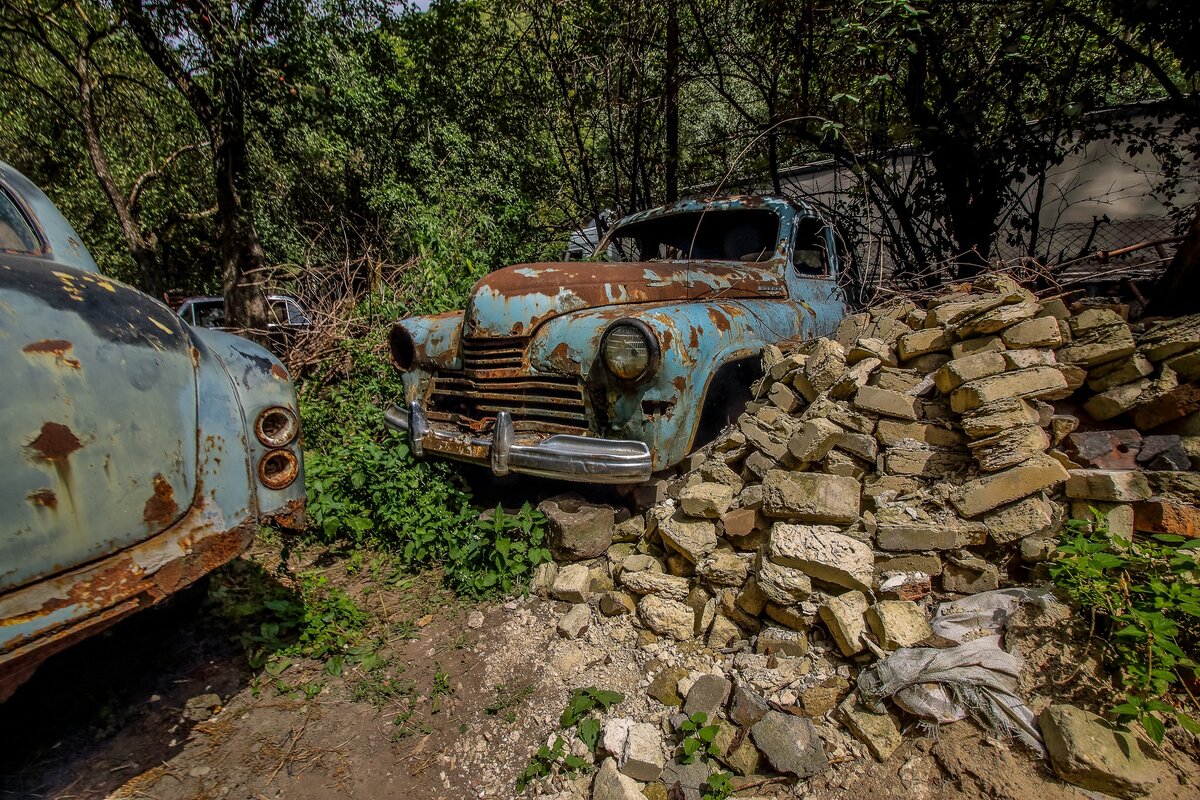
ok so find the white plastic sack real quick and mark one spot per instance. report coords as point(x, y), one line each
point(977, 678)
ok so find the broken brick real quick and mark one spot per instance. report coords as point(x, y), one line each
point(1105, 449)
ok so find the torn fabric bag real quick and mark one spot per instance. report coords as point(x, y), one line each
point(977, 678)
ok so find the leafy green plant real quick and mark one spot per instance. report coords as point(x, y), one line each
point(719, 786)
point(507, 700)
point(546, 761)
point(584, 701)
point(698, 738)
point(1144, 598)
point(365, 486)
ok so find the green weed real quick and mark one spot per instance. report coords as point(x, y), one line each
point(1144, 599)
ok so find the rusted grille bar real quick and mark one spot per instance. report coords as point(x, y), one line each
point(491, 354)
point(494, 379)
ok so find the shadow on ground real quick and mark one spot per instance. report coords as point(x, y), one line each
point(116, 701)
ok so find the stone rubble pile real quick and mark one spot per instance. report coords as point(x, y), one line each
point(915, 454)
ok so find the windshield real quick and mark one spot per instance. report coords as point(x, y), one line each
point(747, 235)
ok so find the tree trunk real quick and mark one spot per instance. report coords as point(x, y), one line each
point(242, 257)
point(141, 247)
point(1178, 291)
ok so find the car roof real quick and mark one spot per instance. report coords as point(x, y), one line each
point(61, 244)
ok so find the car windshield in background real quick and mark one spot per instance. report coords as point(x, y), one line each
point(747, 235)
point(15, 234)
point(209, 315)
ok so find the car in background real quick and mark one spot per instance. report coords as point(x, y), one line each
point(140, 452)
point(608, 370)
point(285, 317)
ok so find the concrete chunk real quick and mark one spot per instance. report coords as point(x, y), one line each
point(983, 494)
point(707, 500)
point(782, 585)
point(1115, 486)
point(968, 368)
point(1009, 448)
point(1089, 752)
point(879, 732)
point(1115, 373)
point(1037, 332)
point(823, 553)
point(918, 343)
point(690, 537)
point(844, 617)
point(898, 623)
point(814, 440)
point(642, 759)
point(810, 497)
point(1024, 383)
point(886, 403)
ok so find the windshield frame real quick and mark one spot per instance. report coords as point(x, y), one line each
point(785, 210)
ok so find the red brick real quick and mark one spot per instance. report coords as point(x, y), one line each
point(1156, 516)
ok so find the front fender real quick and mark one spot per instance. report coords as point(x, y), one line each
point(697, 339)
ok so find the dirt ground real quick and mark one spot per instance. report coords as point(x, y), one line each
point(442, 699)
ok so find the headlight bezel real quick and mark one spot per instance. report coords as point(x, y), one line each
point(653, 349)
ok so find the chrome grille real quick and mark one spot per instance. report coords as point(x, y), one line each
point(494, 379)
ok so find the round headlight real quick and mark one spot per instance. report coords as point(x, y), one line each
point(404, 350)
point(630, 349)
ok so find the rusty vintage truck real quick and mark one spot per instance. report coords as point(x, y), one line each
point(608, 370)
point(139, 453)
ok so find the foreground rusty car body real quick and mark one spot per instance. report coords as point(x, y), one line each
point(608, 370)
point(139, 453)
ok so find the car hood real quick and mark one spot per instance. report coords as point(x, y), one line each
point(99, 426)
point(516, 300)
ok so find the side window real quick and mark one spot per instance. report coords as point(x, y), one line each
point(296, 314)
point(188, 313)
point(16, 235)
point(279, 312)
point(810, 253)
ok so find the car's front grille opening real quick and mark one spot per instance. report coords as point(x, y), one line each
point(493, 354)
point(494, 379)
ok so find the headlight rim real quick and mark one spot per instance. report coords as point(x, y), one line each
point(402, 348)
point(652, 346)
point(276, 441)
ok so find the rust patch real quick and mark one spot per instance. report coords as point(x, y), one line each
point(43, 498)
point(52, 347)
point(55, 442)
point(161, 508)
point(560, 357)
point(718, 319)
point(693, 337)
point(292, 517)
point(279, 372)
point(680, 383)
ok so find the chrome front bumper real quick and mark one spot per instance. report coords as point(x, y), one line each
point(570, 458)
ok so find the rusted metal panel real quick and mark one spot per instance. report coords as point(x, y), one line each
point(529, 342)
point(100, 412)
point(132, 464)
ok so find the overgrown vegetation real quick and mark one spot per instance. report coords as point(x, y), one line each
point(364, 485)
point(1144, 598)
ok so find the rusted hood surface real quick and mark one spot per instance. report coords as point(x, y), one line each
point(516, 300)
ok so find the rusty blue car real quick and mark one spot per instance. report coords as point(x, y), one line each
point(610, 369)
point(139, 452)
